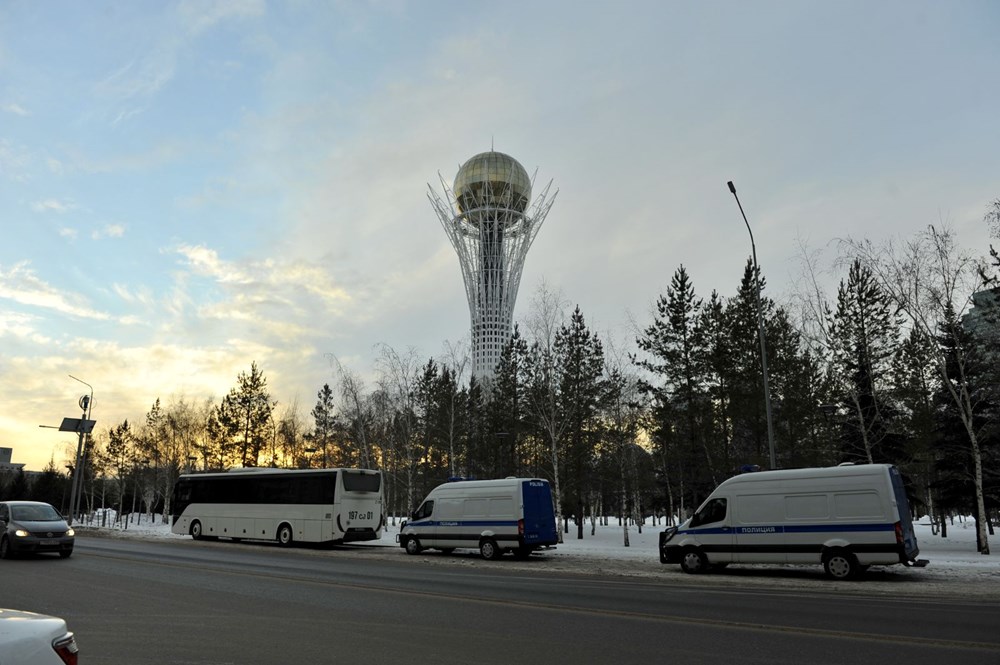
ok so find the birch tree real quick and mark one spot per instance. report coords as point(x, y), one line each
point(356, 409)
point(543, 392)
point(932, 281)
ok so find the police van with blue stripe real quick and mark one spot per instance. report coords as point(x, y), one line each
point(493, 516)
point(847, 518)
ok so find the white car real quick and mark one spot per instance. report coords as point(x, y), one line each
point(27, 638)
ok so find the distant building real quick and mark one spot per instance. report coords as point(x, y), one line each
point(5, 464)
point(984, 316)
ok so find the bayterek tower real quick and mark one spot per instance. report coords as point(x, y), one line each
point(491, 222)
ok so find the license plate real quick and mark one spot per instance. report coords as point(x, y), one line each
point(48, 541)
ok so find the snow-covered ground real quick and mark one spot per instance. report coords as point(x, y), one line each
point(955, 567)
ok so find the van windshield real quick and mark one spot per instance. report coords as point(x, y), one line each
point(711, 512)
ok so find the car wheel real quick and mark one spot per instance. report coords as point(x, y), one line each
point(284, 535)
point(841, 565)
point(5, 549)
point(65, 554)
point(693, 561)
point(196, 530)
point(413, 546)
point(488, 549)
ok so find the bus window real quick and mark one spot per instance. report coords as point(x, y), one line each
point(357, 481)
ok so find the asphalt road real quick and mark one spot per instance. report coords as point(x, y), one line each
point(218, 602)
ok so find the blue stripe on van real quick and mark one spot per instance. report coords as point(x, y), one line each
point(424, 523)
point(790, 528)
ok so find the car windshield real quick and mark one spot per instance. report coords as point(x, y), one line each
point(34, 514)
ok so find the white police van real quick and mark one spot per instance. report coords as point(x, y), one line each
point(846, 518)
point(494, 516)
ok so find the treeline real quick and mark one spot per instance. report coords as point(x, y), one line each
point(900, 365)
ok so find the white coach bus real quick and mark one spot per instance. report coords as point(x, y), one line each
point(307, 506)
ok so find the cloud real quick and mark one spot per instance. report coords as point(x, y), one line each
point(267, 280)
point(16, 109)
point(200, 15)
point(52, 205)
point(20, 284)
point(21, 326)
point(67, 232)
point(109, 231)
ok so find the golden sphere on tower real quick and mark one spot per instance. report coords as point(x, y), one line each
point(492, 180)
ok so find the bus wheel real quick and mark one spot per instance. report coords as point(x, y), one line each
point(196, 530)
point(413, 546)
point(488, 549)
point(841, 564)
point(693, 561)
point(284, 535)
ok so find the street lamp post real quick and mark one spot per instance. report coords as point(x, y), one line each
point(86, 403)
point(760, 332)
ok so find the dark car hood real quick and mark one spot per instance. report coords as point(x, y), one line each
point(34, 526)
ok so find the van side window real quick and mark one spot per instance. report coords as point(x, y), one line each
point(858, 504)
point(448, 509)
point(711, 512)
point(425, 510)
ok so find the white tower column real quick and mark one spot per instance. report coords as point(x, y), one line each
point(487, 218)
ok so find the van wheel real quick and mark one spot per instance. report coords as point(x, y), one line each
point(841, 565)
point(284, 535)
point(693, 561)
point(196, 530)
point(489, 550)
point(413, 546)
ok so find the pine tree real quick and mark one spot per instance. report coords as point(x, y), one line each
point(743, 372)
point(863, 339)
point(579, 362)
point(244, 415)
point(678, 363)
point(914, 386)
point(507, 402)
point(325, 422)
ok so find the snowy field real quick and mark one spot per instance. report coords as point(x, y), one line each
point(955, 567)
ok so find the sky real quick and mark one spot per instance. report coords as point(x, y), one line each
point(190, 187)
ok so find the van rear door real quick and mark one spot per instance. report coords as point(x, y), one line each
point(903, 508)
point(539, 518)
